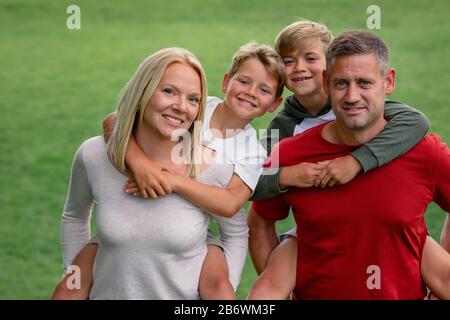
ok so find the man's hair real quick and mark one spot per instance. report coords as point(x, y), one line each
point(288, 40)
point(358, 42)
point(264, 54)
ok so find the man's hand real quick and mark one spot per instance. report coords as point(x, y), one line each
point(149, 179)
point(302, 175)
point(338, 171)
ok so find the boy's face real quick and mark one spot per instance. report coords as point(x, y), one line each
point(303, 68)
point(251, 91)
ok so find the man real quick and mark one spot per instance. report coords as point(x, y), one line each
point(365, 239)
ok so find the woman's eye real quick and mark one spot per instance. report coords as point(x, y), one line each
point(169, 91)
point(194, 100)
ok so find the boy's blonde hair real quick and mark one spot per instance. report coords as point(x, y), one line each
point(264, 54)
point(288, 40)
point(136, 95)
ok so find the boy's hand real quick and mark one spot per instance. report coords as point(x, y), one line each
point(131, 186)
point(302, 175)
point(149, 179)
point(338, 171)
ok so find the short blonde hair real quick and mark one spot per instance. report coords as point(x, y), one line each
point(287, 41)
point(264, 54)
point(136, 95)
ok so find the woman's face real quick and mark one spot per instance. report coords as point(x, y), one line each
point(175, 103)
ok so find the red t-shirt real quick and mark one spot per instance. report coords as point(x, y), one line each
point(364, 239)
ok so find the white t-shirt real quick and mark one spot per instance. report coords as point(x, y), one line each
point(243, 150)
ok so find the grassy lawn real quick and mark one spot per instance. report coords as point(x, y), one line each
point(58, 84)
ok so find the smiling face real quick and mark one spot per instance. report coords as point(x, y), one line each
point(358, 89)
point(304, 67)
point(175, 102)
point(251, 91)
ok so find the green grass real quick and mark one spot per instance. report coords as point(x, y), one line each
point(58, 84)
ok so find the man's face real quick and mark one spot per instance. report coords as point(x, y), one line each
point(357, 90)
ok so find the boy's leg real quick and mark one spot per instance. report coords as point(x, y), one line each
point(277, 281)
point(214, 283)
point(85, 261)
point(435, 268)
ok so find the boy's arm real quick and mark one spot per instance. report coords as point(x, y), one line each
point(281, 127)
point(405, 128)
point(147, 173)
point(223, 202)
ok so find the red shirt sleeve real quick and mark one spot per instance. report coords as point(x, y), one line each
point(442, 185)
point(275, 208)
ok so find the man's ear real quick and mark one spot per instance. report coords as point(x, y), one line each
point(325, 84)
point(389, 81)
point(275, 104)
point(225, 83)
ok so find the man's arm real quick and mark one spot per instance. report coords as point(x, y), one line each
point(262, 239)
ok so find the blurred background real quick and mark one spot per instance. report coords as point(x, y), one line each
point(58, 84)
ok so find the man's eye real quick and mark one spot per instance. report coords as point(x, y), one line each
point(340, 84)
point(365, 84)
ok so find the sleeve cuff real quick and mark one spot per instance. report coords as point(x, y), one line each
point(366, 158)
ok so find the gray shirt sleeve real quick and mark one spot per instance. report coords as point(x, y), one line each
point(406, 127)
point(234, 236)
point(75, 225)
point(267, 186)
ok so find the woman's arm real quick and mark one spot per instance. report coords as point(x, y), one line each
point(234, 236)
point(75, 225)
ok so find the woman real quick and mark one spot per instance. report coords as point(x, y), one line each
point(146, 247)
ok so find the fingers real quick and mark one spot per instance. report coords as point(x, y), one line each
point(152, 190)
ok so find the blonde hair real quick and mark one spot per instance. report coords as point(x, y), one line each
point(266, 55)
point(136, 95)
point(290, 37)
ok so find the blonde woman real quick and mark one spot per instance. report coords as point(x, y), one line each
point(147, 249)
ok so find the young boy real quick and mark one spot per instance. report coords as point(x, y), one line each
point(252, 86)
point(302, 46)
